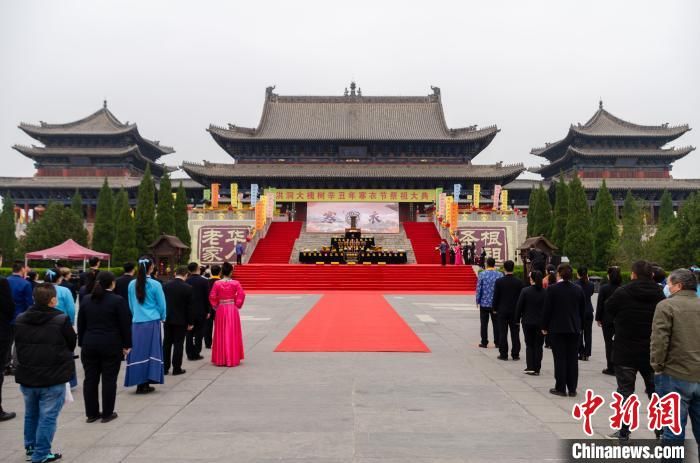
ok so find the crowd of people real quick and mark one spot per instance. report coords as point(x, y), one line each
point(650, 326)
point(136, 318)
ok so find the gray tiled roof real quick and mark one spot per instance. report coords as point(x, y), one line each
point(101, 122)
point(353, 118)
point(671, 184)
point(605, 125)
point(285, 170)
point(670, 154)
point(70, 183)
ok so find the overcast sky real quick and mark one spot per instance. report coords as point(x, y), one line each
point(174, 67)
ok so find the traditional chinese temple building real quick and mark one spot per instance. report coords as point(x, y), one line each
point(79, 155)
point(352, 142)
point(628, 156)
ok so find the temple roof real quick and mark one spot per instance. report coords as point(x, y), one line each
point(605, 125)
point(33, 152)
point(669, 155)
point(101, 122)
point(351, 170)
point(671, 184)
point(73, 183)
point(353, 117)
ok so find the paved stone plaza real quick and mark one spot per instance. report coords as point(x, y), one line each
point(456, 404)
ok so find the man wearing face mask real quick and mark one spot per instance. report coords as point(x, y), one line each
point(675, 350)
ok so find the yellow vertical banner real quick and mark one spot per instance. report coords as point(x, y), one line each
point(214, 195)
point(270, 204)
point(476, 196)
point(234, 195)
point(504, 200)
point(454, 217)
point(449, 200)
point(260, 214)
point(441, 205)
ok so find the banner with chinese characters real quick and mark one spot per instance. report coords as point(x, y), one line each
point(504, 200)
point(457, 191)
point(269, 202)
point(217, 243)
point(234, 195)
point(454, 217)
point(476, 196)
point(496, 196)
point(441, 204)
point(214, 195)
point(378, 196)
point(207, 194)
point(448, 209)
point(260, 210)
point(493, 239)
point(253, 194)
point(324, 217)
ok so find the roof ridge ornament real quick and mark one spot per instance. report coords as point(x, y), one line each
point(600, 103)
point(104, 103)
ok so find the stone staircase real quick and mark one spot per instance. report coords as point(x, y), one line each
point(387, 241)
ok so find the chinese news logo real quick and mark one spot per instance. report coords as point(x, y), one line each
point(662, 412)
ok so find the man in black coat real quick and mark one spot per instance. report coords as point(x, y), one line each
point(562, 320)
point(121, 286)
point(631, 309)
point(178, 320)
point(45, 341)
point(201, 307)
point(505, 299)
point(7, 313)
point(209, 324)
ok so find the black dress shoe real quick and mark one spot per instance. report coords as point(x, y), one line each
point(608, 371)
point(92, 419)
point(559, 393)
point(516, 357)
point(107, 419)
point(572, 394)
point(144, 389)
point(502, 357)
point(4, 416)
point(179, 372)
point(528, 369)
point(533, 373)
point(199, 357)
point(482, 345)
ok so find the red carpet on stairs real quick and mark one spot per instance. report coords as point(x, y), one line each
point(310, 277)
point(276, 247)
point(352, 322)
point(424, 239)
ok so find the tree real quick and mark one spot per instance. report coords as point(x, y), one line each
point(76, 205)
point(146, 229)
point(103, 233)
point(532, 213)
point(579, 236)
point(8, 239)
point(689, 231)
point(630, 248)
point(605, 232)
point(182, 230)
point(560, 215)
point(165, 213)
point(665, 210)
point(56, 225)
point(124, 249)
point(543, 225)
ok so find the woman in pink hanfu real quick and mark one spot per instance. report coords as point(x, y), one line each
point(459, 258)
point(226, 298)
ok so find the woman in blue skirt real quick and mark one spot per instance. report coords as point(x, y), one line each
point(144, 364)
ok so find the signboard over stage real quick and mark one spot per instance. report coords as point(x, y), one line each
point(378, 196)
point(217, 243)
point(493, 239)
point(324, 217)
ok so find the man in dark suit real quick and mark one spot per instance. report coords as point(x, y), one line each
point(562, 321)
point(200, 302)
point(178, 320)
point(505, 298)
point(7, 313)
point(122, 283)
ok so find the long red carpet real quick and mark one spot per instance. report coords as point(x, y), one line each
point(276, 247)
point(352, 322)
point(424, 239)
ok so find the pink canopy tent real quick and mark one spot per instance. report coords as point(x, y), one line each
point(69, 250)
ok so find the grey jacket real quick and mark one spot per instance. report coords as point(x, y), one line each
point(675, 343)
